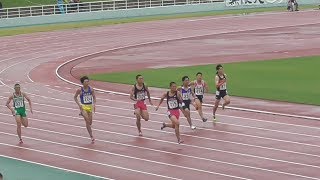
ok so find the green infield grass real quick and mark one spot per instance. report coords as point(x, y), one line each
point(292, 80)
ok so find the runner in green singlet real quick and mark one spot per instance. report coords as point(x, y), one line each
point(19, 109)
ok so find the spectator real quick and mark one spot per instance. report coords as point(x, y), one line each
point(61, 6)
point(292, 5)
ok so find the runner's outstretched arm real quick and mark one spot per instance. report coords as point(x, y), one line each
point(161, 100)
point(8, 104)
point(29, 101)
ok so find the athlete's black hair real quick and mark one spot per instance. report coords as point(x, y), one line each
point(17, 84)
point(199, 73)
point(218, 67)
point(84, 78)
point(137, 76)
point(172, 83)
point(184, 78)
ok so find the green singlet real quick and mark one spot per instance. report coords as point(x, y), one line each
point(19, 106)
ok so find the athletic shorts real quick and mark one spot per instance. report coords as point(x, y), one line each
point(87, 107)
point(221, 94)
point(21, 112)
point(140, 105)
point(186, 104)
point(200, 97)
point(173, 112)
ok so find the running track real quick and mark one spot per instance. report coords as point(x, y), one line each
point(241, 146)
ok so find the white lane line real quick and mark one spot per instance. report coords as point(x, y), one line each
point(241, 134)
point(232, 124)
point(253, 136)
point(88, 161)
point(199, 120)
point(199, 137)
point(130, 157)
point(139, 147)
point(211, 139)
point(55, 167)
point(175, 39)
point(209, 129)
point(237, 117)
point(29, 78)
point(184, 144)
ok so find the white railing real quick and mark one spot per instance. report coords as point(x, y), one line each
point(93, 6)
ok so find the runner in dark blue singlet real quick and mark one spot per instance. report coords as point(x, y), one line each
point(188, 98)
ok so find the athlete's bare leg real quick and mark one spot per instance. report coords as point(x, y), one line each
point(137, 112)
point(24, 121)
point(199, 108)
point(186, 113)
point(215, 107)
point(175, 125)
point(18, 121)
point(88, 120)
point(145, 115)
point(226, 101)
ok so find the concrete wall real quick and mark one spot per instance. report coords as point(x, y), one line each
point(38, 20)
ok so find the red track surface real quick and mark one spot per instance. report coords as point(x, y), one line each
point(241, 146)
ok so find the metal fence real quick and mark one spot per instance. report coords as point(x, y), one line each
point(94, 6)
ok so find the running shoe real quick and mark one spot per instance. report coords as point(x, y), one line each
point(163, 126)
point(214, 119)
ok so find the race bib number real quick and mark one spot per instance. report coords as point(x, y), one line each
point(223, 86)
point(140, 96)
point(199, 91)
point(185, 96)
point(173, 104)
point(87, 99)
point(18, 104)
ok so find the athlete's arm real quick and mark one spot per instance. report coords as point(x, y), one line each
point(180, 98)
point(94, 100)
point(193, 95)
point(206, 88)
point(132, 94)
point(161, 100)
point(148, 94)
point(191, 83)
point(8, 104)
point(29, 101)
point(76, 98)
